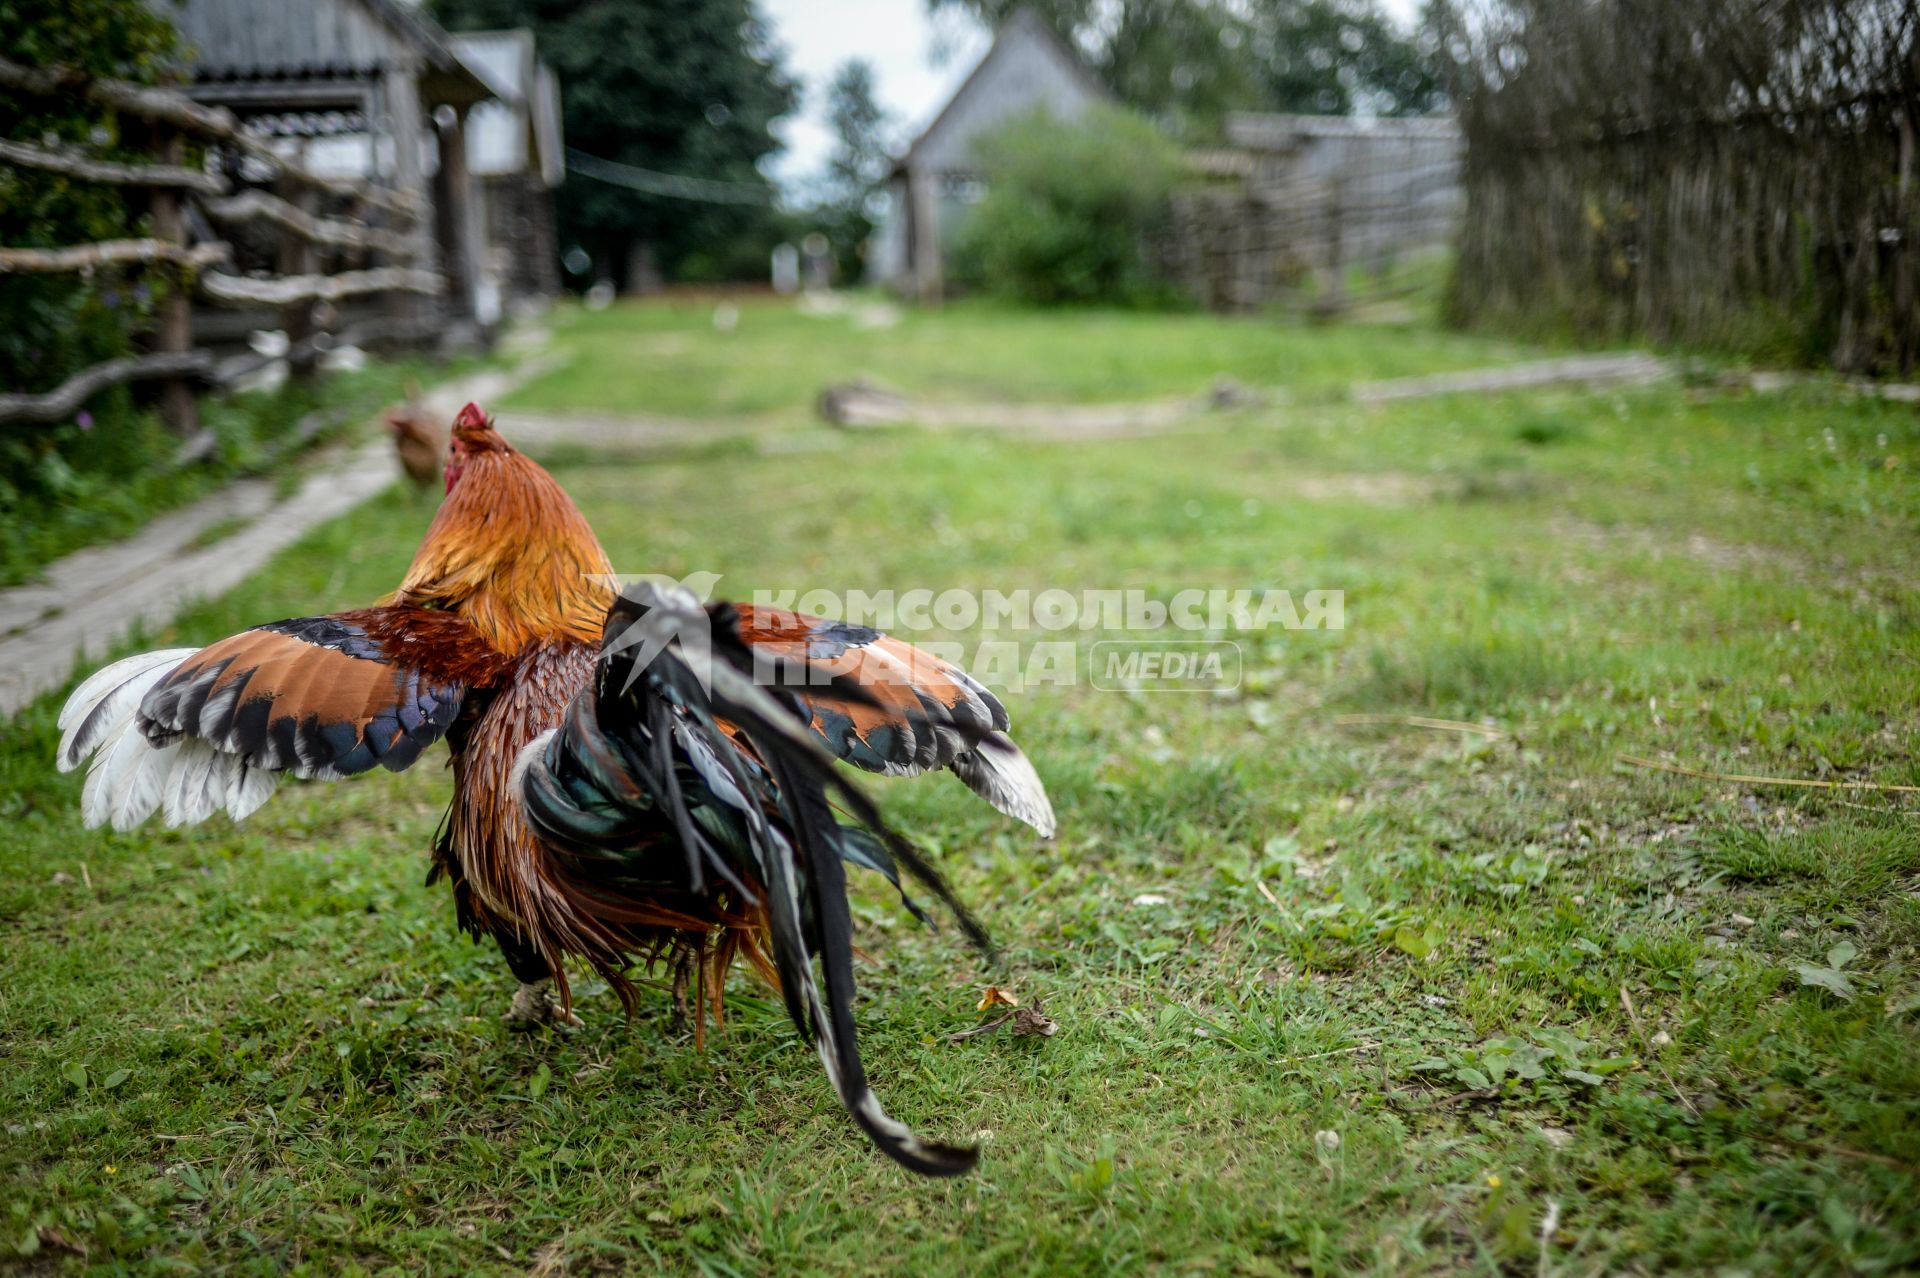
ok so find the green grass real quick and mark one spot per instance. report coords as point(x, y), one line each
point(668, 358)
point(261, 1048)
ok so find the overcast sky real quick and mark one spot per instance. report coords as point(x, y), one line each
point(903, 44)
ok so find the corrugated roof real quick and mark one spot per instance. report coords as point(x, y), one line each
point(1262, 130)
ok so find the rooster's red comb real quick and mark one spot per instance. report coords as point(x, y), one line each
point(472, 426)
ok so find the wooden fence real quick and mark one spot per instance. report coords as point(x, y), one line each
point(282, 224)
point(1739, 174)
point(1310, 201)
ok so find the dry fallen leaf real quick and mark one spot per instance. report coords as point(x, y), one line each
point(1024, 1020)
point(994, 994)
point(53, 1240)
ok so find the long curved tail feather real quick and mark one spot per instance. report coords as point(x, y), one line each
point(678, 737)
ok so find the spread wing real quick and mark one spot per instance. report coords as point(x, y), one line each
point(923, 713)
point(196, 731)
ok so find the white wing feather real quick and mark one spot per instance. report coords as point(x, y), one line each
point(130, 777)
point(115, 693)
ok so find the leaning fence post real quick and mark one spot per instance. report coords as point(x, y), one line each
point(1333, 302)
point(294, 256)
point(174, 332)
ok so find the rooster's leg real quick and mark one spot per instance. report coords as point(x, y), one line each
point(533, 1003)
point(682, 984)
point(534, 1006)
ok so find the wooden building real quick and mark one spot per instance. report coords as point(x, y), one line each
point(366, 90)
point(931, 187)
point(516, 156)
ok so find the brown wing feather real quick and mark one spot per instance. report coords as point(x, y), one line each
point(924, 713)
point(325, 696)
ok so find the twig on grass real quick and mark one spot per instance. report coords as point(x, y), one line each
point(1634, 761)
point(1839, 1151)
point(977, 1030)
point(1026, 1021)
point(1646, 1047)
point(1417, 721)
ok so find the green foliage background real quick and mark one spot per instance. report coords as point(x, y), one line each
point(690, 88)
point(1189, 62)
point(51, 326)
point(1071, 210)
point(857, 166)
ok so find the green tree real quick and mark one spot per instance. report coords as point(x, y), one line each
point(1184, 62)
point(1334, 57)
point(689, 87)
point(1072, 211)
point(858, 164)
point(1189, 62)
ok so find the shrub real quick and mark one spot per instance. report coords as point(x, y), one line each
point(1072, 210)
point(51, 326)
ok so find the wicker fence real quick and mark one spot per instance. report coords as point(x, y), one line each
point(248, 227)
point(1727, 174)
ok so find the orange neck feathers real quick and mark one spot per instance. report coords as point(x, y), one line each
point(508, 549)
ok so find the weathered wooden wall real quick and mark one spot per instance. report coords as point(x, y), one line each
point(1314, 200)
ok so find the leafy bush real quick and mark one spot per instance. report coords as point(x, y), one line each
point(51, 326)
point(1072, 210)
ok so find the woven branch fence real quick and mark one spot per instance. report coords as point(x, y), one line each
point(1735, 174)
point(378, 233)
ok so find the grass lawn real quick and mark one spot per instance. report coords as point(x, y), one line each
point(669, 358)
point(1333, 998)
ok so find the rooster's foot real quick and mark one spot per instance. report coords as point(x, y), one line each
point(534, 1006)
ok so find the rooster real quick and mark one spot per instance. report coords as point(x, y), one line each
point(637, 777)
point(416, 440)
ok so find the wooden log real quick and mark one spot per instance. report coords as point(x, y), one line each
point(237, 290)
point(75, 164)
point(65, 400)
point(328, 231)
point(154, 105)
point(165, 106)
point(85, 257)
point(459, 225)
